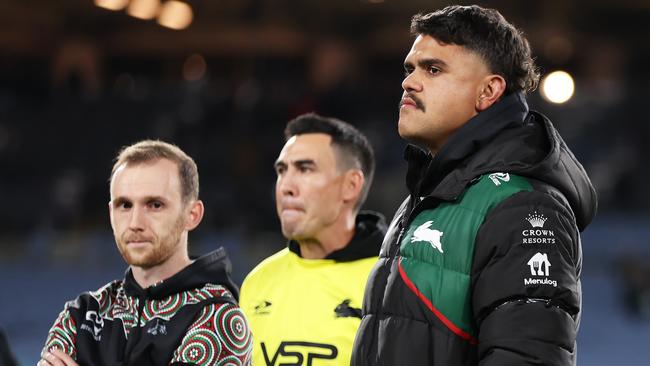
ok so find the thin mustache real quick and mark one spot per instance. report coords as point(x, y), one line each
point(418, 103)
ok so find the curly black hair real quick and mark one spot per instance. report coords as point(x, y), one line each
point(487, 33)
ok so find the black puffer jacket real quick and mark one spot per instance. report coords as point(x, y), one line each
point(481, 264)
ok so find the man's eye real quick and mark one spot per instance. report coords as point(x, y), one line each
point(407, 71)
point(125, 205)
point(433, 70)
point(156, 205)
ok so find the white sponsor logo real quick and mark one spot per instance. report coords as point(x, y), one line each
point(536, 220)
point(540, 281)
point(432, 236)
point(539, 266)
point(157, 328)
point(497, 178)
point(97, 324)
point(537, 235)
point(538, 240)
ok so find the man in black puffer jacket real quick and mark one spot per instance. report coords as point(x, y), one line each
point(481, 264)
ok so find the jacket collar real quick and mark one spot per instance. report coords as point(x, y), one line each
point(214, 267)
point(430, 175)
point(368, 235)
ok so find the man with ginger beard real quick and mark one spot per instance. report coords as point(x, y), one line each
point(303, 303)
point(169, 309)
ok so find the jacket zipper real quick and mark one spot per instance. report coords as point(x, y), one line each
point(136, 333)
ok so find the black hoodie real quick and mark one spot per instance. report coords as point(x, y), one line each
point(175, 321)
point(500, 206)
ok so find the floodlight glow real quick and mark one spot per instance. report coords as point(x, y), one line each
point(112, 4)
point(194, 67)
point(175, 15)
point(144, 9)
point(558, 87)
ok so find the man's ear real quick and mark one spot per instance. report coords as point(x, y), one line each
point(353, 181)
point(492, 89)
point(194, 214)
point(110, 211)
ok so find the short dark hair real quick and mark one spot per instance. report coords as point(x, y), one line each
point(149, 151)
point(487, 33)
point(352, 146)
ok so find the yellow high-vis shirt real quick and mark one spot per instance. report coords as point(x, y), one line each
point(304, 311)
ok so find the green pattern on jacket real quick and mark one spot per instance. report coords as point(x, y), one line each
point(438, 248)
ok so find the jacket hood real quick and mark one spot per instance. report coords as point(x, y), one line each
point(214, 268)
point(507, 138)
point(368, 235)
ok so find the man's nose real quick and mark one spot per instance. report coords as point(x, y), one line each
point(287, 184)
point(137, 221)
point(411, 83)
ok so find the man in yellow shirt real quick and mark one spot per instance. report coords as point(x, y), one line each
point(304, 302)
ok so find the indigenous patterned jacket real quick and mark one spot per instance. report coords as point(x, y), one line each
point(481, 264)
point(191, 318)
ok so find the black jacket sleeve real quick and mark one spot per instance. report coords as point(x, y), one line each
point(526, 282)
point(6, 355)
